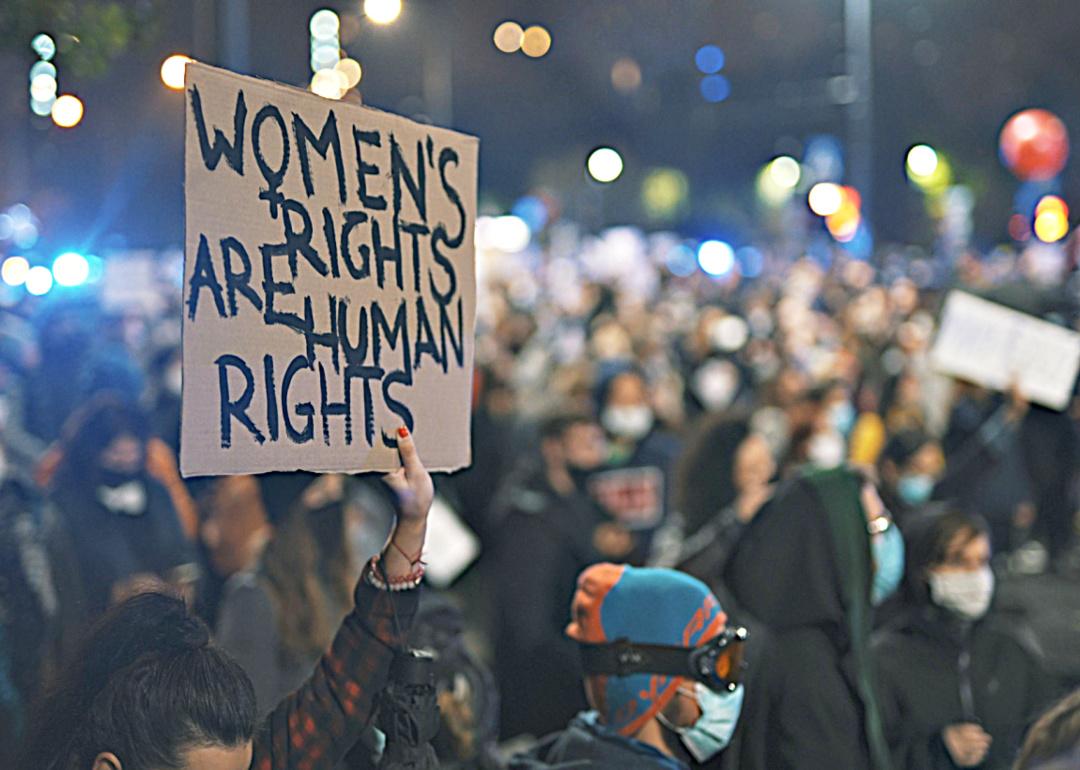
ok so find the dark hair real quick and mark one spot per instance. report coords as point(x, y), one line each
point(555, 424)
point(904, 445)
point(91, 429)
point(704, 475)
point(928, 538)
point(147, 685)
point(1054, 736)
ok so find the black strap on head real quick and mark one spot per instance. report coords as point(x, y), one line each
point(717, 664)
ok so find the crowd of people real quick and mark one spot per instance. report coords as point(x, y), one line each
point(761, 470)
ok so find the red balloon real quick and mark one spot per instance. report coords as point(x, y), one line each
point(1034, 145)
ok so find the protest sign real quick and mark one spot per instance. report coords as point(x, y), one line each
point(996, 347)
point(329, 282)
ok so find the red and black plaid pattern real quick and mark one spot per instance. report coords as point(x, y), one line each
point(315, 727)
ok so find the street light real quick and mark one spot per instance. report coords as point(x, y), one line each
point(382, 11)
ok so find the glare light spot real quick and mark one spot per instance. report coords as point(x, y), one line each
point(328, 83)
point(716, 258)
point(14, 271)
point(325, 56)
point(626, 75)
point(1051, 226)
point(536, 42)
point(44, 46)
point(509, 233)
point(715, 88)
point(44, 109)
point(922, 161)
point(681, 261)
point(825, 198)
point(42, 68)
point(1052, 203)
point(71, 269)
point(172, 71)
point(67, 112)
point(709, 59)
point(382, 11)
point(508, 37)
point(604, 164)
point(43, 87)
point(39, 280)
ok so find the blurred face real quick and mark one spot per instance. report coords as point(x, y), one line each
point(202, 758)
point(236, 526)
point(628, 390)
point(929, 460)
point(123, 455)
point(964, 554)
point(754, 464)
point(584, 446)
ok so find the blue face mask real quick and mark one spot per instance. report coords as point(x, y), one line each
point(712, 732)
point(915, 489)
point(842, 416)
point(888, 549)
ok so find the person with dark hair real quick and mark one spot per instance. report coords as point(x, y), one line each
point(810, 567)
point(547, 524)
point(910, 466)
point(150, 691)
point(958, 683)
point(722, 480)
point(121, 521)
point(1053, 743)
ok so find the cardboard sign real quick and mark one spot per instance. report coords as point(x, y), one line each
point(633, 496)
point(329, 282)
point(994, 346)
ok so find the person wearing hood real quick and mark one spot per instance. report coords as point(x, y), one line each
point(910, 466)
point(545, 533)
point(810, 567)
point(959, 684)
point(121, 521)
point(650, 714)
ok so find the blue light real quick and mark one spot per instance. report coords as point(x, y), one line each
point(716, 258)
point(709, 59)
point(533, 210)
point(715, 88)
point(681, 261)
point(70, 269)
point(751, 261)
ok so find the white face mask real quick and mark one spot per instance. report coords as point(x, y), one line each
point(129, 498)
point(716, 383)
point(968, 594)
point(826, 450)
point(631, 422)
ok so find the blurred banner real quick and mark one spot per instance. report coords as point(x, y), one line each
point(329, 282)
point(990, 345)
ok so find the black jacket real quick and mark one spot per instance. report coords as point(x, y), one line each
point(935, 671)
point(543, 542)
point(587, 745)
point(803, 569)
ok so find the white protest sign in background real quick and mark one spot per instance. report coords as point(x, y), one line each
point(994, 346)
point(329, 282)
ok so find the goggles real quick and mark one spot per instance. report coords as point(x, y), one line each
point(717, 664)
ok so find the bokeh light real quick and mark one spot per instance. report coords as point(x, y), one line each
point(39, 280)
point(70, 269)
point(508, 37)
point(67, 112)
point(324, 25)
point(42, 68)
point(44, 46)
point(664, 192)
point(509, 233)
point(1051, 219)
point(709, 59)
point(785, 172)
point(922, 161)
point(625, 75)
point(14, 271)
point(843, 224)
point(681, 261)
point(325, 56)
point(1052, 203)
point(536, 42)
point(172, 71)
point(716, 258)
point(382, 11)
point(604, 164)
point(751, 261)
point(328, 83)
point(533, 211)
point(715, 88)
point(43, 88)
point(43, 109)
point(825, 198)
point(352, 71)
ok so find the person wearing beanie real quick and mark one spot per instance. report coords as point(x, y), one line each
point(643, 719)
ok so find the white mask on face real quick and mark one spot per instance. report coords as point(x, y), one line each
point(826, 450)
point(631, 422)
point(968, 593)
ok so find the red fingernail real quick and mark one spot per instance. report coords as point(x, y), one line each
point(403, 432)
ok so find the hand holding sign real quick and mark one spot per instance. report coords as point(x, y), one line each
point(329, 282)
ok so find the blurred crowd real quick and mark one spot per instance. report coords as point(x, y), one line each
point(774, 439)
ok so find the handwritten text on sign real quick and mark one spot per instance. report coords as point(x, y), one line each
point(329, 290)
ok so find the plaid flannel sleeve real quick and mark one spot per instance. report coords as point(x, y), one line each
point(315, 727)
